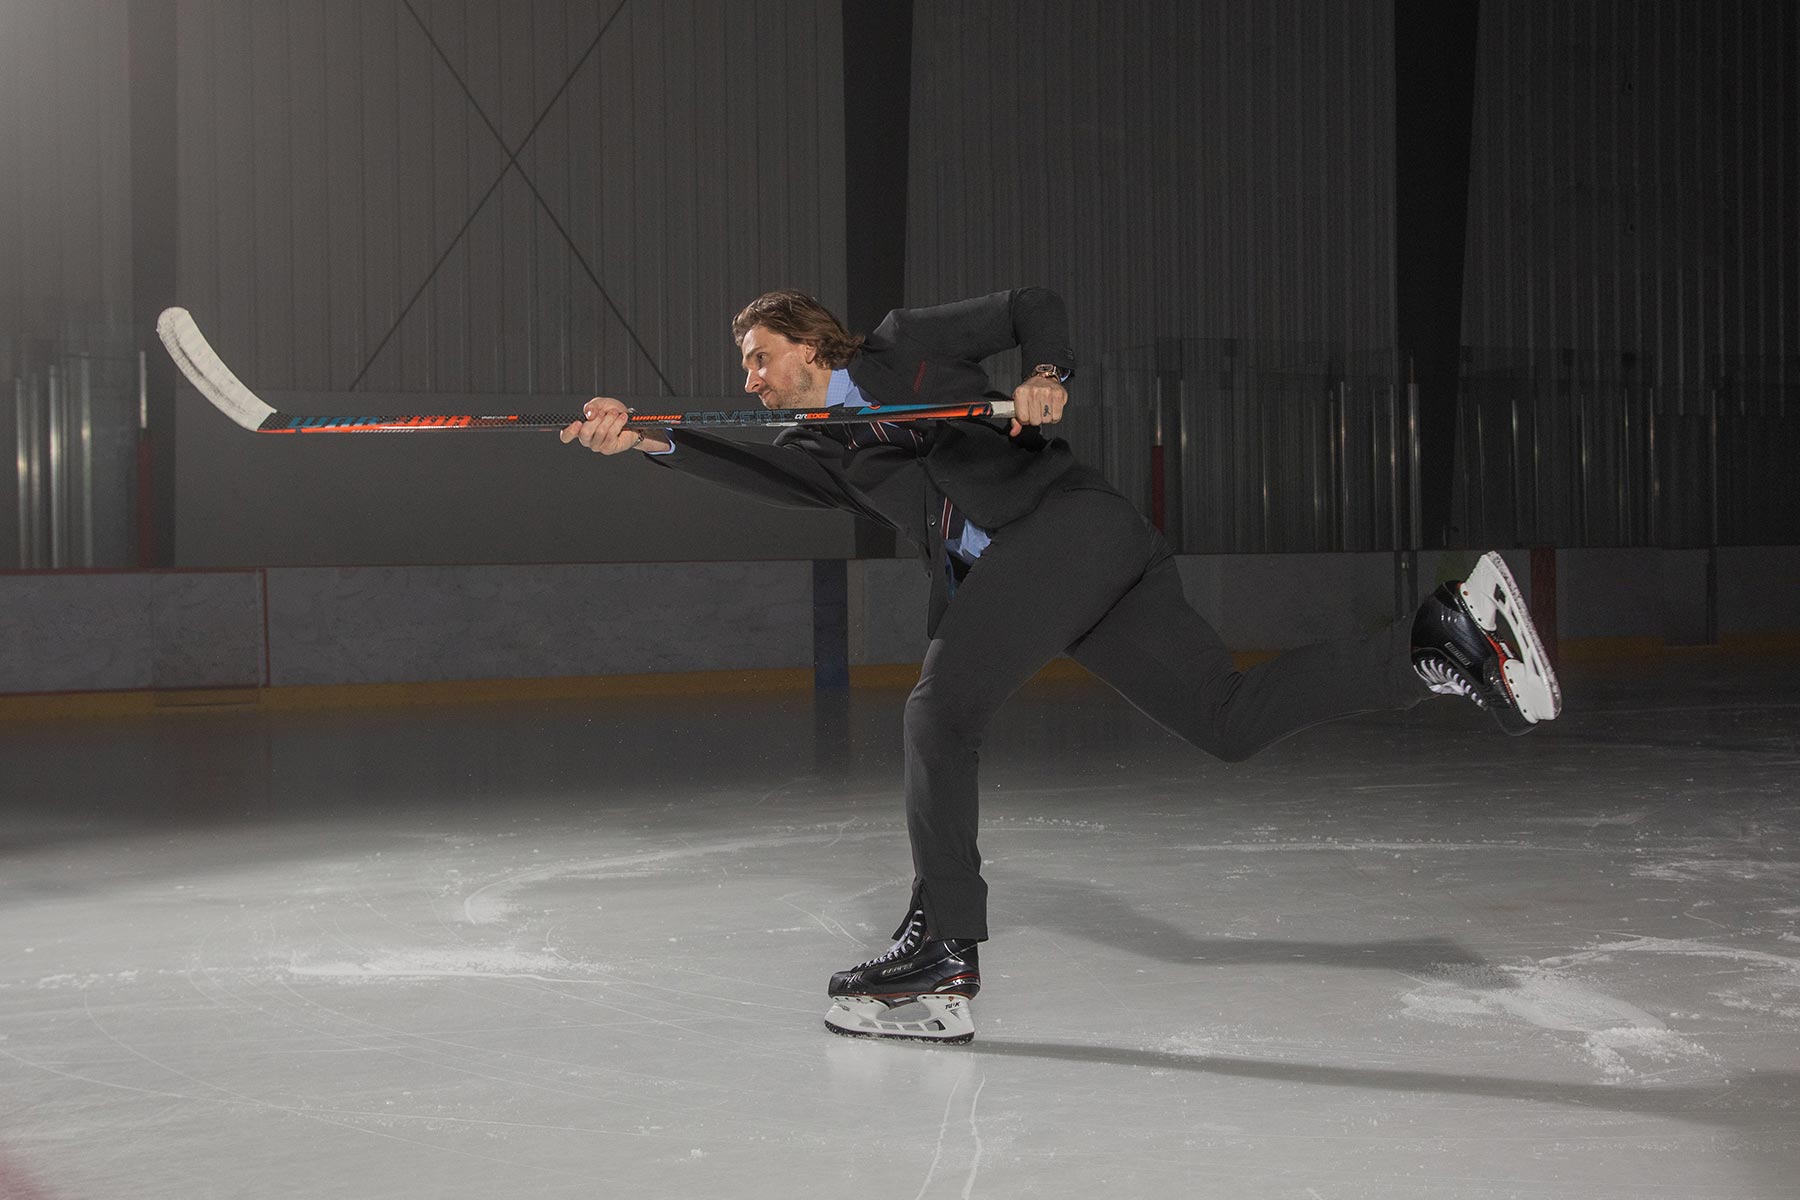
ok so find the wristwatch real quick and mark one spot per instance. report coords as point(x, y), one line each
point(1050, 371)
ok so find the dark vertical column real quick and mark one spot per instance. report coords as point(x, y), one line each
point(1166, 474)
point(877, 117)
point(1434, 107)
point(831, 624)
point(1406, 582)
point(151, 34)
point(1543, 599)
point(831, 666)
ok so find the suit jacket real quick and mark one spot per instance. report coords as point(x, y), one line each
point(916, 356)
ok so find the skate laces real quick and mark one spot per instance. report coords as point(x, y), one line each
point(1440, 678)
point(910, 939)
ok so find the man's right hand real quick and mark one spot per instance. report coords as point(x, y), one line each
point(603, 429)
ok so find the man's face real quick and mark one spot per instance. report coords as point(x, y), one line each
point(782, 373)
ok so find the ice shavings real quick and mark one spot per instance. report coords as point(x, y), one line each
point(1616, 1035)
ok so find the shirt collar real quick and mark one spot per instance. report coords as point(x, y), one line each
point(840, 391)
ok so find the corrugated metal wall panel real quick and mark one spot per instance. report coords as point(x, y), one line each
point(1213, 173)
point(1632, 189)
point(307, 302)
point(1199, 170)
point(1176, 169)
point(65, 198)
point(342, 148)
point(66, 364)
point(1631, 265)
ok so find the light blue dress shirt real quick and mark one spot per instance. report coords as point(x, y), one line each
point(840, 389)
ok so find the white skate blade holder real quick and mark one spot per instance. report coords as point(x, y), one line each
point(1495, 601)
point(928, 1018)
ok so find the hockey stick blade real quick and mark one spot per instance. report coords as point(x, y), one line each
point(208, 372)
point(226, 392)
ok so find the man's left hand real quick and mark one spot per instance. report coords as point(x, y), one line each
point(1037, 401)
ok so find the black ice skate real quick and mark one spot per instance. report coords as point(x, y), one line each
point(1464, 641)
point(919, 988)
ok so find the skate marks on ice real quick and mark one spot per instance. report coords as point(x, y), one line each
point(1645, 1068)
point(1768, 984)
point(16, 1183)
point(1620, 1039)
point(491, 903)
point(954, 1148)
point(947, 1145)
point(1717, 870)
point(445, 962)
point(1625, 1042)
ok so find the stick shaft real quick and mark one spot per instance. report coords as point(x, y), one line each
point(749, 418)
point(215, 381)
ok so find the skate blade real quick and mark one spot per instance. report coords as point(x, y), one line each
point(1499, 607)
point(930, 1018)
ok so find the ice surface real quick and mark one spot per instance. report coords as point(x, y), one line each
point(580, 950)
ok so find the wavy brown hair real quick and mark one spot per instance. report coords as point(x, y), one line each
point(799, 318)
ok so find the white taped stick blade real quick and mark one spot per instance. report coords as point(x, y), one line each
point(926, 1018)
point(1499, 607)
point(207, 371)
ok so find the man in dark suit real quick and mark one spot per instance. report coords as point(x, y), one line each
point(1032, 555)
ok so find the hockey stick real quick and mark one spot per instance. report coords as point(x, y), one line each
point(214, 380)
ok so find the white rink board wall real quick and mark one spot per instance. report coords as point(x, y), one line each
point(130, 631)
point(288, 626)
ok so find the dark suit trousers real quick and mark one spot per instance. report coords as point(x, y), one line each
point(1085, 574)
